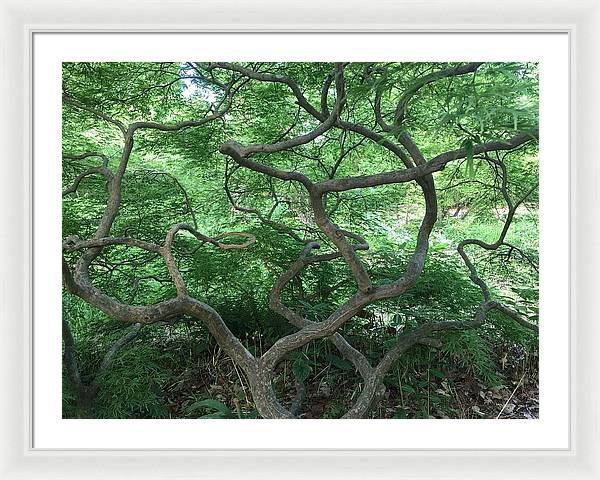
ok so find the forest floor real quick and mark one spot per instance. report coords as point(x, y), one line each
point(459, 394)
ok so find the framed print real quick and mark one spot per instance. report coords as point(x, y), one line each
point(302, 247)
point(304, 364)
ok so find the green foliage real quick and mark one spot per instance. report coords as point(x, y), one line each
point(301, 369)
point(133, 387)
point(172, 177)
point(474, 353)
point(216, 408)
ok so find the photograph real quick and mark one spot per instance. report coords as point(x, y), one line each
point(300, 240)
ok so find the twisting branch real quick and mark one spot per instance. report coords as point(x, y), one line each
point(301, 139)
point(368, 397)
point(268, 77)
point(514, 315)
point(348, 244)
point(418, 169)
point(102, 170)
point(410, 92)
point(280, 227)
point(512, 208)
point(82, 106)
point(188, 203)
point(434, 165)
point(513, 248)
point(354, 356)
point(82, 156)
point(79, 283)
point(72, 244)
point(96, 170)
point(117, 346)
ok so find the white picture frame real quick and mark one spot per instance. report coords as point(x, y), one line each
point(18, 23)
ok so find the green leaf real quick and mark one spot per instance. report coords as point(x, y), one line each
point(468, 146)
point(200, 347)
point(400, 413)
point(301, 369)
point(222, 410)
point(408, 389)
point(339, 362)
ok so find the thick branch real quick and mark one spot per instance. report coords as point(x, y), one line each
point(338, 237)
point(436, 164)
point(350, 353)
point(269, 77)
point(240, 153)
point(72, 244)
point(116, 347)
point(369, 393)
point(82, 156)
point(96, 170)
